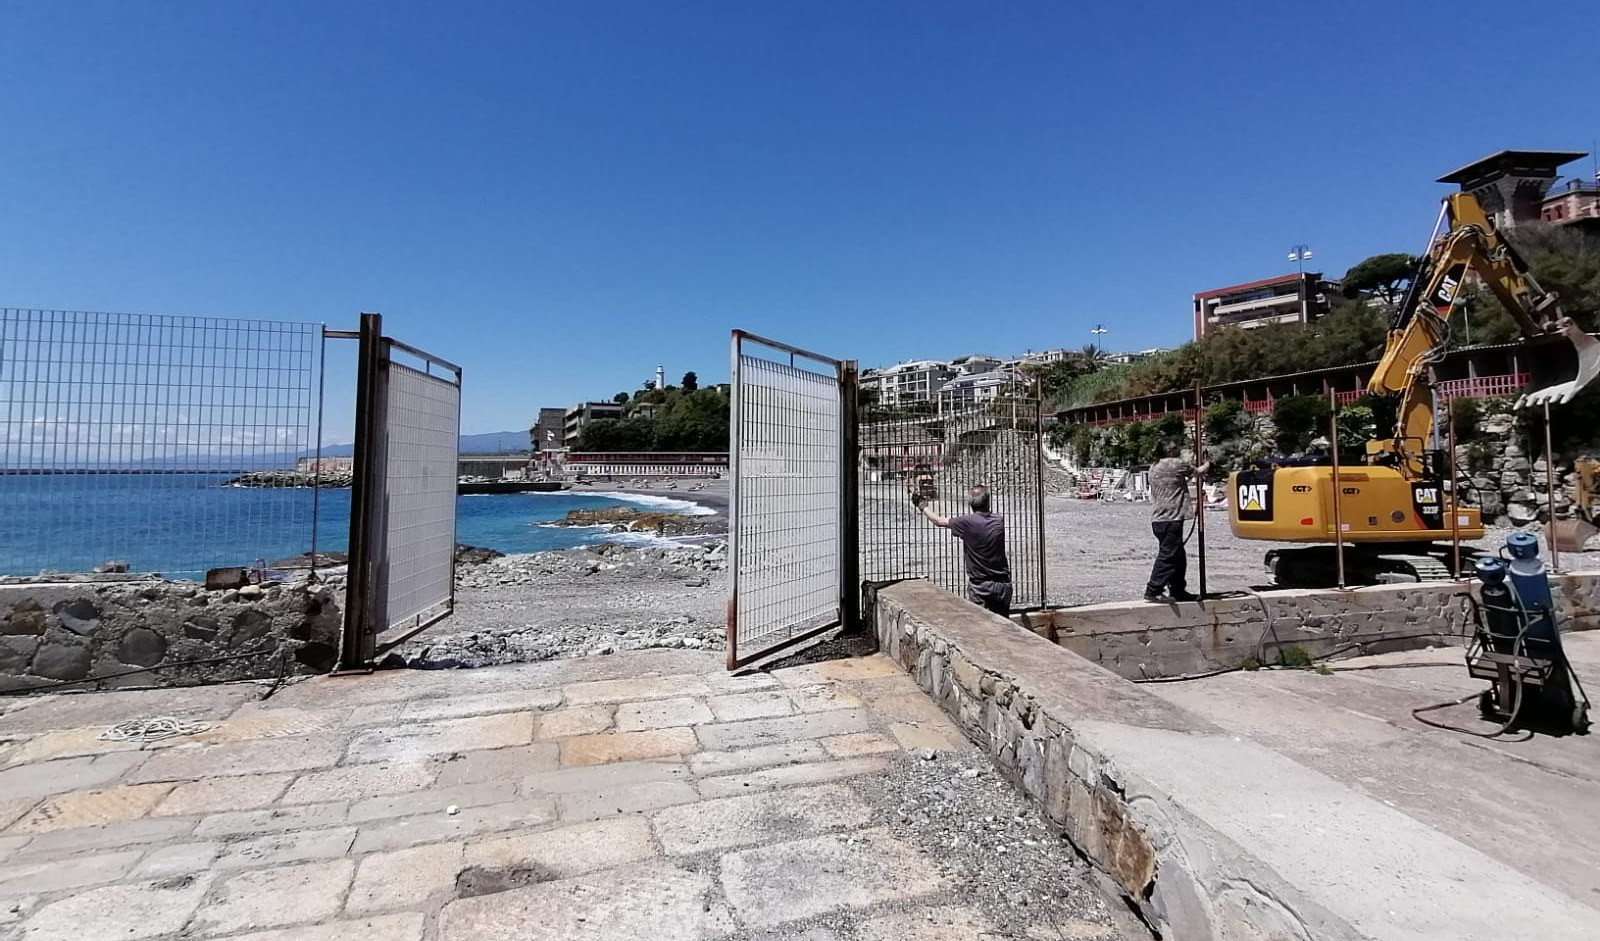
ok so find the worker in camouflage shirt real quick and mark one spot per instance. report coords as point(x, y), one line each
point(1171, 480)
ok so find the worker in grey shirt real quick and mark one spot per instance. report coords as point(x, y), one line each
point(1170, 478)
point(983, 543)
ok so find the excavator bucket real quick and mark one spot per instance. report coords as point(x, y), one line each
point(1553, 376)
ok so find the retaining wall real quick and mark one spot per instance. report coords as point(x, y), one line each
point(1051, 720)
point(66, 632)
point(1139, 640)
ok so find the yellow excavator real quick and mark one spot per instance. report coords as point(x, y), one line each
point(1397, 510)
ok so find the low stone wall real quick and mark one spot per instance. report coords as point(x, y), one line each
point(1139, 640)
point(54, 633)
point(1050, 719)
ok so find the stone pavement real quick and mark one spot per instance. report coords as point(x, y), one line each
point(643, 795)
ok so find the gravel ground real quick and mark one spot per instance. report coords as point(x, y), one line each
point(1002, 862)
point(1100, 552)
point(576, 602)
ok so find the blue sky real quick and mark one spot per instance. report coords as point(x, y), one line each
point(560, 196)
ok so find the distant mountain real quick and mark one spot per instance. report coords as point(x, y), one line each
point(492, 442)
point(495, 442)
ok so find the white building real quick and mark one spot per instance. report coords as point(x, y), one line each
point(1134, 356)
point(973, 364)
point(903, 384)
point(977, 389)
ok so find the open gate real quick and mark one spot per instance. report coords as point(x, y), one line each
point(403, 495)
point(792, 509)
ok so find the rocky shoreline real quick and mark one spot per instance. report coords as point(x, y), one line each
point(596, 600)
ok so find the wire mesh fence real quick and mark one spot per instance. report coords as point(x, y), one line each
point(914, 448)
point(159, 443)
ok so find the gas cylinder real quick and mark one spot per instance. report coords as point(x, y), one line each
point(1532, 588)
point(1499, 607)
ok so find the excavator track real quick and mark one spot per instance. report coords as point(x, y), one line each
point(1318, 566)
point(1423, 568)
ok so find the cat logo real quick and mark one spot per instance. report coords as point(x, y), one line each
point(1254, 496)
point(1427, 501)
point(1447, 291)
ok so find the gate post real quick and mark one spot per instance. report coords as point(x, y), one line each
point(849, 500)
point(363, 597)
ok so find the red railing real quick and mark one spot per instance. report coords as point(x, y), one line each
point(1480, 387)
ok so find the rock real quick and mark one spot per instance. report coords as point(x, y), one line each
point(79, 616)
point(249, 626)
point(26, 618)
point(112, 567)
point(142, 647)
point(201, 627)
point(62, 657)
point(1521, 512)
point(476, 555)
point(251, 592)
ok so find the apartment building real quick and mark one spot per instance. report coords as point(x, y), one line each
point(579, 416)
point(908, 383)
point(1289, 298)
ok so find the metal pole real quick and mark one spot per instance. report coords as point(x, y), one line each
point(849, 499)
point(735, 426)
point(1550, 491)
point(1200, 491)
point(1455, 499)
point(357, 641)
point(1338, 517)
point(316, 476)
point(1039, 492)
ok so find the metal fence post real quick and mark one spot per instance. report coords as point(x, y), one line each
point(1039, 491)
point(363, 617)
point(849, 499)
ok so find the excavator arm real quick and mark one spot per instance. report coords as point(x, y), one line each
point(1420, 328)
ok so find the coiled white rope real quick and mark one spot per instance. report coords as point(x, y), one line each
point(153, 729)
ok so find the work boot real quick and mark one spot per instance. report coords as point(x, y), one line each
point(1178, 594)
point(1154, 597)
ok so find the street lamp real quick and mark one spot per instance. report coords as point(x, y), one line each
point(1299, 254)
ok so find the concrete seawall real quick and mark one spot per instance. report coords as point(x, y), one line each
point(169, 633)
point(1140, 640)
point(1207, 833)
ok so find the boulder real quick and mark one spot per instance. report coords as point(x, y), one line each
point(1521, 512)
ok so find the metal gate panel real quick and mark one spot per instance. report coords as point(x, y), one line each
point(422, 425)
point(995, 443)
point(403, 495)
point(791, 552)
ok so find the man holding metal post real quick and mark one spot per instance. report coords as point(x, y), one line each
point(983, 543)
point(1170, 478)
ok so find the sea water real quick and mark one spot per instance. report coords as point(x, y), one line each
point(182, 524)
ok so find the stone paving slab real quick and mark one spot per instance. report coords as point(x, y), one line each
point(269, 898)
point(567, 851)
point(411, 741)
point(499, 764)
point(627, 746)
point(360, 781)
point(92, 808)
point(214, 795)
point(574, 720)
point(787, 882)
point(237, 758)
point(758, 818)
point(645, 795)
point(405, 926)
point(136, 910)
point(653, 900)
